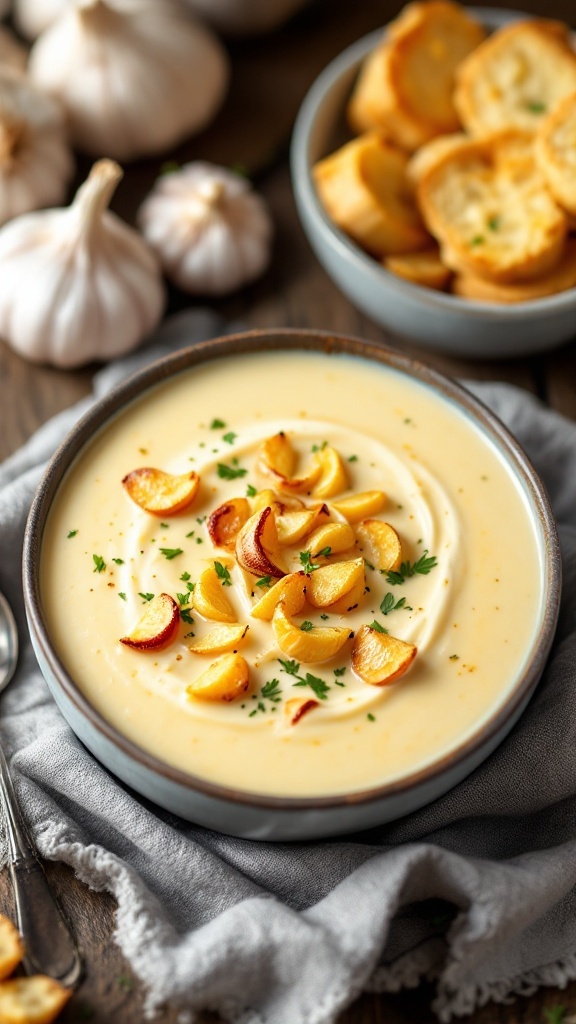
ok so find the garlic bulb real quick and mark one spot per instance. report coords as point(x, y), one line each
point(134, 78)
point(13, 56)
point(210, 230)
point(244, 17)
point(77, 284)
point(34, 16)
point(36, 163)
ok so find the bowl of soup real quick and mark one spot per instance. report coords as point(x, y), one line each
point(287, 585)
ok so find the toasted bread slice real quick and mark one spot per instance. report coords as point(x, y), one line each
point(556, 153)
point(406, 85)
point(515, 79)
point(424, 268)
point(488, 206)
point(559, 279)
point(432, 153)
point(364, 189)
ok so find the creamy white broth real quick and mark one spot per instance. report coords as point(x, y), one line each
point(449, 492)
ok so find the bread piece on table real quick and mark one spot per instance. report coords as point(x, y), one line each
point(556, 153)
point(424, 268)
point(488, 206)
point(559, 279)
point(11, 947)
point(432, 153)
point(515, 79)
point(406, 85)
point(364, 189)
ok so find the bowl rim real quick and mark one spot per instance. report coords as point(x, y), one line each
point(170, 366)
point(340, 66)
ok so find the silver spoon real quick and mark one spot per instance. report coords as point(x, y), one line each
point(50, 948)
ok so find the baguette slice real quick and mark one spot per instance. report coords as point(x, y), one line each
point(556, 153)
point(515, 78)
point(405, 86)
point(365, 191)
point(432, 153)
point(559, 279)
point(424, 268)
point(488, 206)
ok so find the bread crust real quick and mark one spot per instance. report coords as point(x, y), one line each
point(515, 78)
point(559, 279)
point(364, 189)
point(423, 268)
point(489, 208)
point(556, 153)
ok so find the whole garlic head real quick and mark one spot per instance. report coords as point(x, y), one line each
point(135, 79)
point(77, 284)
point(210, 229)
point(36, 162)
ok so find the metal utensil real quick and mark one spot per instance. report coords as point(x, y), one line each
point(50, 948)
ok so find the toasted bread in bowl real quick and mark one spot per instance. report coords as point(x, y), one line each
point(556, 153)
point(425, 268)
point(559, 279)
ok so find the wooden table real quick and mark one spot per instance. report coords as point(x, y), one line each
point(270, 78)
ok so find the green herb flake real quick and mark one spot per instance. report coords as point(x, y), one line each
point(264, 581)
point(146, 597)
point(271, 690)
point(324, 616)
point(217, 425)
point(291, 667)
point(99, 563)
point(185, 577)
point(319, 447)
point(118, 561)
point(72, 534)
point(324, 553)
point(423, 566)
point(230, 437)
point(251, 491)
point(165, 526)
point(555, 1014)
point(170, 553)
point(477, 240)
point(376, 625)
point(536, 107)
point(183, 599)
point(307, 563)
point(317, 685)
point(223, 574)
point(186, 616)
point(307, 626)
point(454, 657)
point(352, 458)
point(230, 472)
point(370, 717)
point(494, 223)
point(122, 595)
point(340, 671)
point(191, 534)
point(388, 604)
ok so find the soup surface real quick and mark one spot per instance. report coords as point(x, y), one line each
point(469, 594)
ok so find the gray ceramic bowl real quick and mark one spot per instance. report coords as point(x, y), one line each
point(435, 319)
point(264, 817)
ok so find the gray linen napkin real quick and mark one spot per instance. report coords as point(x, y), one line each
point(476, 890)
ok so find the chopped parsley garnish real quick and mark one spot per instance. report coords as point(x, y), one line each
point(122, 595)
point(376, 625)
point(99, 563)
point(185, 577)
point(319, 447)
point(422, 566)
point(217, 425)
point(340, 671)
point(454, 657)
point(264, 581)
point(191, 534)
point(536, 107)
point(306, 559)
point(145, 597)
point(165, 526)
point(319, 686)
point(352, 458)
point(199, 540)
point(307, 626)
point(183, 598)
point(324, 553)
point(118, 561)
point(388, 605)
point(230, 437)
point(251, 491)
point(186, 616)
point(324, 616)
point(477, 240)
point(171, 553)
point(271, 690)
point(223, 574)
point(72, 534)
point(494, 223)
point(230, 472)
point(200, 519)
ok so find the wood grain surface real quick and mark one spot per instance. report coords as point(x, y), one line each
point(270, 78)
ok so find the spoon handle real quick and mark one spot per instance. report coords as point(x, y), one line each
point(50, 947)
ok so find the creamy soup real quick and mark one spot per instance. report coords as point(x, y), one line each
point(469, 594)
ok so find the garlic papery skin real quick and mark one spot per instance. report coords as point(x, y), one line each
point(77, 284)
point(36, 163)
point(211, 231)
point(134, 79)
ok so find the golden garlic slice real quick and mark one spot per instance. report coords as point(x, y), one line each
point(333, 475)
point(297, 707)
point(359, 506)
point(336, 536)
point(210, 598)
point(226, 521)
point(380, 544)
point(278, 460)
point(162, 494)
point(380, 659)
point(291, 590)
point(221, 639)
point(332, 582)
point(350, 600)
point(257, 545)
point(226, 679)
point(157, 627)
point(318, 644)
